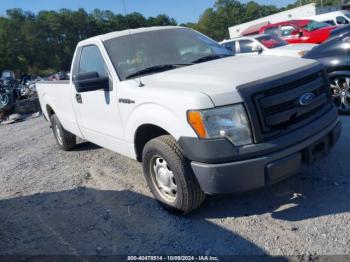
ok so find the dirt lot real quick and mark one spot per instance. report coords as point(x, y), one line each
point(93, 201)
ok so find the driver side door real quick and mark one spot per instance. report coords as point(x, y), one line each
point(98, 111)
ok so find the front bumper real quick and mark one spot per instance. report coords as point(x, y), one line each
point(265, 169)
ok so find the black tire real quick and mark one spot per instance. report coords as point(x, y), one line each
point(339, 84)
point(189, 195)
point(65, 140)
point(5, 101)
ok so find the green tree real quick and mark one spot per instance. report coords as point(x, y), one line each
point(226, 13)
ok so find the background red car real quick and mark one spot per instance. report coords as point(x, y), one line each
point(299, 31)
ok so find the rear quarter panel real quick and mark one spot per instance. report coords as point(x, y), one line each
point(59, 96)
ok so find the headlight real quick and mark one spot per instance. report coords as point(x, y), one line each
point(230, 122)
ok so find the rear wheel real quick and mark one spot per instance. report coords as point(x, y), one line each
point(65, 140)
point(340, 88)
point(170, 177)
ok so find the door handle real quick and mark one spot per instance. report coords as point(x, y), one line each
point(78, 98)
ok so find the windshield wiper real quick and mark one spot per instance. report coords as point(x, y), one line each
point(155, 69)
point(208, 58)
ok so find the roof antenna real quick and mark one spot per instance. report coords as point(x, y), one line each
point(132, 43)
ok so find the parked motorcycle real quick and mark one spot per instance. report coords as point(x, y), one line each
point(18, 95)
point(6, 90)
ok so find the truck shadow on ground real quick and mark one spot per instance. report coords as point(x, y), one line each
point(85, 146)
point(313, 193)
point(88, 221)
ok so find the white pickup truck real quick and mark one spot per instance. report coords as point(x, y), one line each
point(200, 120)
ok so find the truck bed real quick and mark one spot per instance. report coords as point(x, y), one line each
point(59, 95)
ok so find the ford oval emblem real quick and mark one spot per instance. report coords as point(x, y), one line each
point(306, 99)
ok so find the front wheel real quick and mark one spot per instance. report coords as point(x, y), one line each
point(340, 88)
point(170, 177)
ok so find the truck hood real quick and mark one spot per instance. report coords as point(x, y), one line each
point(219, 78)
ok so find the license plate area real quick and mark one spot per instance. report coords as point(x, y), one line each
point(316, 151)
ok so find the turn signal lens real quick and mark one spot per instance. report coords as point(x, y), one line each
point(196, 121)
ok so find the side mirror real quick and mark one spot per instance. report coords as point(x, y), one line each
point(91, 81)
point(257, 48)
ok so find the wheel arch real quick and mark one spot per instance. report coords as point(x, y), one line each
point(145, 133)
point(148, 121)
point(47, 106)
point(335, 74)
point(49, 111)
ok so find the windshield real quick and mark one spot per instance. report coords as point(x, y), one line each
point(136, 52)
point(314, 25)
point(271, 41)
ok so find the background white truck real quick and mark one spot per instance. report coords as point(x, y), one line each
point(199, 120)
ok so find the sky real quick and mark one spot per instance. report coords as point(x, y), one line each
point(182, 10)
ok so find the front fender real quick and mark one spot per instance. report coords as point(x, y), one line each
point(175, 123)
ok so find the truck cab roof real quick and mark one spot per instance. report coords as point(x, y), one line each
point(115, 34)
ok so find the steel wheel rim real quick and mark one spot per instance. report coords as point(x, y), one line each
point(58, 134)
point(340, 88)
point(163, 179)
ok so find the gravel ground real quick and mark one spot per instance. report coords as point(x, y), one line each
point(93, 201)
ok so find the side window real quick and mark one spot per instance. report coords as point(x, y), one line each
point(272, 30)
point(331, 22)
point(341, 20)
point(246, 46)
point(91, 60)
point(231, 46)
point(287, 30)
